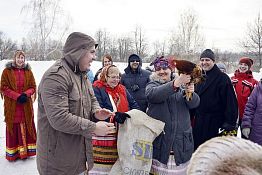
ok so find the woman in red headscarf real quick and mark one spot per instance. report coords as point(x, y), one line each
point(113, 96)
point(18, 88)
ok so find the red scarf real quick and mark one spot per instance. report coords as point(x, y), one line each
point(118, 94)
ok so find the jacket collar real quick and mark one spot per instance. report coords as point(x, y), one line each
point(211, 76)
point(11, 65)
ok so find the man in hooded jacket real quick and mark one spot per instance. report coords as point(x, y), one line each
point(66, 103)
point(135, 80)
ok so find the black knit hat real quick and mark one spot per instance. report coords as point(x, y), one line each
point(208, 53)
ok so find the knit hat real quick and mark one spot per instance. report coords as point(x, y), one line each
point(208, 53)
point(247, 61)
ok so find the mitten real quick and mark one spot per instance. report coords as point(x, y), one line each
point(22, 98)
point(120, 117)
point(246, 132)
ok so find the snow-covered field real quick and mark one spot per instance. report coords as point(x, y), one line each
point(28, 167)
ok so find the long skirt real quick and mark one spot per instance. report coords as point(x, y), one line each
point(171, 168)
point(19, 144)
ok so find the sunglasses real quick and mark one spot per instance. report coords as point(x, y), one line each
point(161, 65)
point(135, 61)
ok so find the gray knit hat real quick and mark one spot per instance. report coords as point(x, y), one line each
point(208, 53)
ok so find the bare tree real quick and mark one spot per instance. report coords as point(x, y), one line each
point(252, 43)
point(7, 46)
point(49, 22)
point(141, 46)
point(159, 48)
point(124, 48)
point(103, 39)
point(187, 40)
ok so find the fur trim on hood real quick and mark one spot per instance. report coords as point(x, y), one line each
point(155, 77)
point(11, 64)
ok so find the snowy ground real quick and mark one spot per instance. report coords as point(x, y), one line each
point(28, 167)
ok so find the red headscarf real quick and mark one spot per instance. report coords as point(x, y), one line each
point(118, 93)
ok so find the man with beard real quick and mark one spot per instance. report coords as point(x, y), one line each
point(135, 80)
point(218, 108)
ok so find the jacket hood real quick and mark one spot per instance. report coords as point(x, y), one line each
point(76, 47)
point(11, 64)
point(131, 57)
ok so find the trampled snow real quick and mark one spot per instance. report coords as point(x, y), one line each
point(28, 167)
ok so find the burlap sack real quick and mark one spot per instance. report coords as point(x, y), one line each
point(134, 144)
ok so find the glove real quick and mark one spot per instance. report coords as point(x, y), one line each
point(120, 117)
point(246, 132)
point(224, 132)
point(22, 98)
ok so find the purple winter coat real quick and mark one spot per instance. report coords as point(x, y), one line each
point(253, 115)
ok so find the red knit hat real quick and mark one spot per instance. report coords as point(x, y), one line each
point(247, 61)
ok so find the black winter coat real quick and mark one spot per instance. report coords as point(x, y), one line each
point(135, 83)
point(218, 106)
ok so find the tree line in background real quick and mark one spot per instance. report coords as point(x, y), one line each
point(49, 25)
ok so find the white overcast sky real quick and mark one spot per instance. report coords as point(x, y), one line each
point(223, 22)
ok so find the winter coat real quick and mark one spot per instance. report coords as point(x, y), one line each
point(171, 107)
point(243, 83)
point(90, 76)
point(218, 106)
point(14, 82)
point(253, 115)
point(135, 82)
point(97, 74)
point(66, 103)
point(104, 101)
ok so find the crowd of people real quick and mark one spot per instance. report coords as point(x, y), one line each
point(78, 111)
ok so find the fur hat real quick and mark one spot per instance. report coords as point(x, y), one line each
point(247, 61)
point(208, 53)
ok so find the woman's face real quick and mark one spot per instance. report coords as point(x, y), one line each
point(113, 77)
point(242, 67)
point(107, 62)
point(20, 60)
point(164, 74)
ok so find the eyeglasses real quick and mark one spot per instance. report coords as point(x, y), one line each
point(114, 77)
point(161, 65)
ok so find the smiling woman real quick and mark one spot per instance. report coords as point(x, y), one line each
point(18, 87)
point(114, 97)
